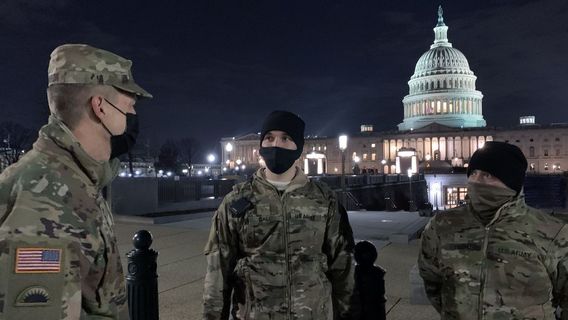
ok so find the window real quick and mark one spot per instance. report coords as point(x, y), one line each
point(546, 166)
point(517, 141)
point(373, 156)
point(531, 152)
point(372, 145)
point(532, 167)
point(546, 152)
point(455, 196)
point(532, 140)
point(557, 139)
point(557, 152)
point(364, 156)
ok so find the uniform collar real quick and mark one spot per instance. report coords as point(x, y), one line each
point(299, 180)
point(56, 138)
point(517, 202)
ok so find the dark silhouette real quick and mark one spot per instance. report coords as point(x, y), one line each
point(370, 282)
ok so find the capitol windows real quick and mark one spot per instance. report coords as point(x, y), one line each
point(546, 166)
point(373, 156)
point(531, 152)
point(546, 152)
point(438, 106)
point(451, 108)
point(444, 107)
point(364, 156)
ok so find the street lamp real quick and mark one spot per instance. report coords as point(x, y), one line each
point(410, 198)
point(229, 148)
point(343, 147)
point(436, 189)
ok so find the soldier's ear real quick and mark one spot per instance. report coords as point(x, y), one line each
point(96, 104)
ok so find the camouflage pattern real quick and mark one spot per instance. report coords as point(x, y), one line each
point(83, 64)
point(52, 198)
point(289, 257)
point(515, 267)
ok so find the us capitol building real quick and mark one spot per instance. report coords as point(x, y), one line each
point(443, 125)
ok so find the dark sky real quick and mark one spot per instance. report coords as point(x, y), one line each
point(216, 68)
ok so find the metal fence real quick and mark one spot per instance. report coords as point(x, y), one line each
point(191, 189)
point(359, 180)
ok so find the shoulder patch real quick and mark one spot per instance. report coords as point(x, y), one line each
point(38, 260)
point(33, 296)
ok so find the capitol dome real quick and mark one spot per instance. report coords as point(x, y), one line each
point(442, 88)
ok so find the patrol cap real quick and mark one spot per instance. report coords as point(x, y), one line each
point(84, 64)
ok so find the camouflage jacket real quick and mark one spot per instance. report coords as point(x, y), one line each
point(58, 252)
point(515, 267)
point(288, 257)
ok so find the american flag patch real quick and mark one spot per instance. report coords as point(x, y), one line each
point(38, 260)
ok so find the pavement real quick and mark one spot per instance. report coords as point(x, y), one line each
point(181, 264)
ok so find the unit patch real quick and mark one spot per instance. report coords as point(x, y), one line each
point(33, 296)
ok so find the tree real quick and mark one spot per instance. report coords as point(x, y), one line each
point(168, 157)
point(188, 147)
point(15, 141)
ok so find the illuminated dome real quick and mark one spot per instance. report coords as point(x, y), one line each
point(442, 88)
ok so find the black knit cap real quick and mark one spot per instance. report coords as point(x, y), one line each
point(287, 122)
point(502, 160)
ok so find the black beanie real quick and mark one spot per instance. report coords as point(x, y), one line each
point(287, 122)
point(502, 160)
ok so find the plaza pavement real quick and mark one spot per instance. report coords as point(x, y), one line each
point(181, 264)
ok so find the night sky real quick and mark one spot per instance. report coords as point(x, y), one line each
point(216, 68)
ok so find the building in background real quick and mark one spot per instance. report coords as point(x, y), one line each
point(443, 126)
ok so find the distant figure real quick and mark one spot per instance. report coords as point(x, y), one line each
point(370, 282)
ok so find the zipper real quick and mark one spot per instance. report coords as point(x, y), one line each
point(484, 261)
point(482, 273)
point(287, 258)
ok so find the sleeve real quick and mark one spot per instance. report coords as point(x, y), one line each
point(428, 265)
point(560, 281)
point(338, 248)
point(42, 252)
point(221, 258)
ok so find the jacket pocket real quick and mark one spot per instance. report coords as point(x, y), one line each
point(262, 225)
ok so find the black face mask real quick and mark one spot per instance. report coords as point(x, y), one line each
point(279, 160)
point(123, 143)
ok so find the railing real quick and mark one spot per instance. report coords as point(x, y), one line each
point(191, 189)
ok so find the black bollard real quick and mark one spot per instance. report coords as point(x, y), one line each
point(142, 278)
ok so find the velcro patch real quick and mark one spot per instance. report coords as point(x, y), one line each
point(33, 296)
point(38, 260)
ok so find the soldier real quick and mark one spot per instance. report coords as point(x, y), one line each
point(58, 253)
point(496, 257)
point(278, 244)
point(369, 282)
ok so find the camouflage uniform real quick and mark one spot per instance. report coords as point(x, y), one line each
point(289, 257)
point(52, 199)
point(516, 267)
point(58, 252)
